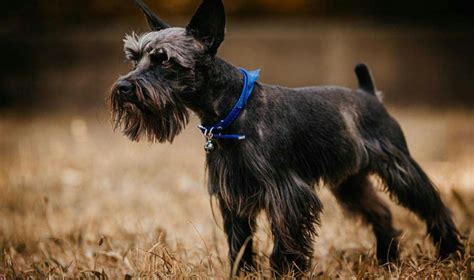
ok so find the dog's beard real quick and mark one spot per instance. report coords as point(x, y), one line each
point(154, 114)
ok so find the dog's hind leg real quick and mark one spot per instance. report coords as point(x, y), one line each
point(357, 196)
point(411, 187)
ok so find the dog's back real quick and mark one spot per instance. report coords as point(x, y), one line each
point(329, 125)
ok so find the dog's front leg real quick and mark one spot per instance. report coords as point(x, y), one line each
point(293, 208)
point(239, 231)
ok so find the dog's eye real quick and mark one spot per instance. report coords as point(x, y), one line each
point(159, 56)
point(133, 60)
point(131, 55)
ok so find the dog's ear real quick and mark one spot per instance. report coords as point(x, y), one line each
point(208, 24)
point(155, 23)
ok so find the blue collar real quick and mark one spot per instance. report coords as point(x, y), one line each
point(215, 131)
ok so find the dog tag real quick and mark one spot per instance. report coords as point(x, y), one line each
point(209, 146)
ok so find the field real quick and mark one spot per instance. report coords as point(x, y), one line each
point(77, 200)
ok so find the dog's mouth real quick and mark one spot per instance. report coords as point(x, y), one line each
point(149, 112)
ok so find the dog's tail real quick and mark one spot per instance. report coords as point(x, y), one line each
point(366, 83)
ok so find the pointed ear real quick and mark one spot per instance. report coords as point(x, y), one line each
point(208, 24)
point(155, 23)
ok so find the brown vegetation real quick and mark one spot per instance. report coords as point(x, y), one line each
point(77, 200)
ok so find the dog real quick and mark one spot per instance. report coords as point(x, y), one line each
point(271, 145)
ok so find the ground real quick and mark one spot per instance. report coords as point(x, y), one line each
point(77, 200)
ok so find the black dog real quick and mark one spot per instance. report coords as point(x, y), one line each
point(294, 138)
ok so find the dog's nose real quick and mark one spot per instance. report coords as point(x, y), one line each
point(124, 88)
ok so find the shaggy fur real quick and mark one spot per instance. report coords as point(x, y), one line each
point(295, 138)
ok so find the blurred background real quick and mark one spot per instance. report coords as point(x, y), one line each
point(61, 54)
point(75, 197)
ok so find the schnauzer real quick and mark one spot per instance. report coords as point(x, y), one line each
point(268, 145)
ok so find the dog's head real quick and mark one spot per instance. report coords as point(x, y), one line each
point(150, 101)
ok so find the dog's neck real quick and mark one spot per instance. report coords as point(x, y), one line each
point(220, 89)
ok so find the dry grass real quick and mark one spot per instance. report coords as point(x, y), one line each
point(77, 200)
